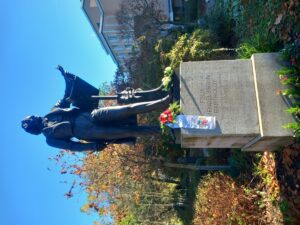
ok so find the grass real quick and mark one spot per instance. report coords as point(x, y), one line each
point(191, 182)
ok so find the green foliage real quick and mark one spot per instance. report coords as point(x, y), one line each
point(164, 45)
point(264, 174)
point(295, 127)
point(221, 23)
point(291, 52)
point(129, 220)
point(144, 66)
point(105, 88)
point(175, 108)
point(290, 77)
point(287, 71)
point(122, 80)
point(265, 25)
point(284, 208)
point(260, 42)
point(241, 162)
point(191, 47)
point(294, 110)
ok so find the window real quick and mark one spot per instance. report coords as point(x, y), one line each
point(128, 37)
point(93, 3)
point(117, 47)
point(112, 37)
point(122, 55)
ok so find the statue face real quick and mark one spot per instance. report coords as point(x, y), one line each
point(33, 124)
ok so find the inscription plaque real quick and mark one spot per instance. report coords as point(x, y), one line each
point(225, 90)
point(239, 98)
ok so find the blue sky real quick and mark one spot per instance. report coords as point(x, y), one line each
point(36, 36)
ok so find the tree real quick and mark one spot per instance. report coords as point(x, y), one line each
point(121, 176)
point(122, 80)
point(141, 17)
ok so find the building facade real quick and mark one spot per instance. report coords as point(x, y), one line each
point(102, 15)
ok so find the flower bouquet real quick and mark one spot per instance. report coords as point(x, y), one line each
point(169, 115)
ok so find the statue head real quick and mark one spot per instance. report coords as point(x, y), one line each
point(33, 124)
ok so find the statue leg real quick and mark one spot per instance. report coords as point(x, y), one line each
point(116, 133)
point(134, 131)
point(118, 113)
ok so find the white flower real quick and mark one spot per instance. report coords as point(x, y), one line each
point(168, 69)
point(166, 81)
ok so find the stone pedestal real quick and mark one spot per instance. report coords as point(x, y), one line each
point(241, 94)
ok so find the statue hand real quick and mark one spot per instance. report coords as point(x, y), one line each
point(68, 76)
point(61, 69)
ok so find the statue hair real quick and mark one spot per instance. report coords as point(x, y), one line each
point(32, 125)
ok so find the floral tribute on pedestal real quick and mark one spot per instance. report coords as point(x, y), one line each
point(169, 115)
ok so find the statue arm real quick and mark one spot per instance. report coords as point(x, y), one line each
point(75, 146)
point(69, 79)
point(62, 103)
point(64, 73)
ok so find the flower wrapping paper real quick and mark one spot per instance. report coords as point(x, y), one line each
point(194, 122)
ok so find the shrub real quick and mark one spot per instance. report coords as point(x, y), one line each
point(290, 77)
point(191, 47)
point(221, 201)
point(260, 42)
point(222, 25)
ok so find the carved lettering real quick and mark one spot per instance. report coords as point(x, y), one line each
point(209, 89)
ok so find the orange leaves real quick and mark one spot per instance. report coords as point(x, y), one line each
point(114, 171)
point(112, 208)
point(137, 198)
point(85, 208)
point(267, 171)
point(289, 155)
point(221, 201)
point(289, 178)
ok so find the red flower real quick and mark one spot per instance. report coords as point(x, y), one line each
point(167, 111)
point(166, 116)
point(170, 117)
point(163, 118)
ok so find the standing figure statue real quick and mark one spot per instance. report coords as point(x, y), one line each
point(86, 127)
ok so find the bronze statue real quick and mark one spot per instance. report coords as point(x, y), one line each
point(94, 127)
